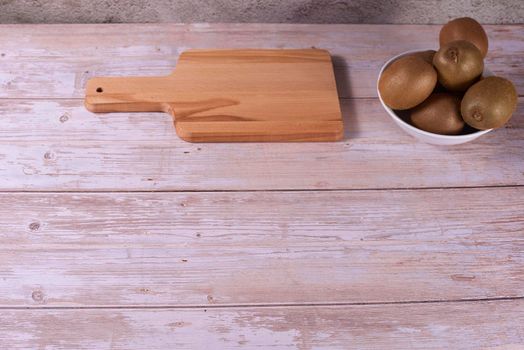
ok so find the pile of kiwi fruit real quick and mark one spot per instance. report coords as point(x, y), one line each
point(444, 92)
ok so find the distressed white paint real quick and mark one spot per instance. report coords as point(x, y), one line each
point(248, 248)
point(264, 248)
point(58, 145)
point(61, 57)
point(478, 325)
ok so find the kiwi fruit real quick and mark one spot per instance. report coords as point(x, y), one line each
point(407, 82)
point(426, 55)
point(465, 28)
point(489, 103)
point(439, 114)
point(459, 64)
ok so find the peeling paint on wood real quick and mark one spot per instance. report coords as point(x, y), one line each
point(464, 325)
point(138, 151)
point(202, 269)
point(62, 57)
point(275, 247)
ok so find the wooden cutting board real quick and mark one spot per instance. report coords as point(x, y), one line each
point(234, 95)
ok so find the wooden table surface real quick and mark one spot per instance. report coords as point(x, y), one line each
point(115, 234)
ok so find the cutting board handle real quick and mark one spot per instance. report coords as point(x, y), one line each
point(128, 94)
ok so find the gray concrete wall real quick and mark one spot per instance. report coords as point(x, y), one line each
point(283, 11)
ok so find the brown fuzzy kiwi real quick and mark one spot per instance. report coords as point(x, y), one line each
point(407, 82)
point(459, 64)
point(426, 55)
point(489, 103)
point(439, 114)
point(465, 28)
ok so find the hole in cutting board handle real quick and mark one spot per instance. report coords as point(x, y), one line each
point(99, 90)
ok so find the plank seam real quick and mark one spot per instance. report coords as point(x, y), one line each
point(268, 305)
point(94, 191)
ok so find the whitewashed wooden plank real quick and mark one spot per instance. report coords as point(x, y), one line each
point(465, 325)
point(138, 39)
point(56, 60)
point(123, 249)
point(58, 145)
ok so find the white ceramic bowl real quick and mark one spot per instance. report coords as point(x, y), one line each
point(428, 137)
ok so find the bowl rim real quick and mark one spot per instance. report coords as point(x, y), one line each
point(394, 115)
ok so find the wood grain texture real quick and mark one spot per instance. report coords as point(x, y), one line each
point(208, 269)
point(460, 326)
point(234, 96)
point(58, 145)
point(61, 58)
point(147, 249)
